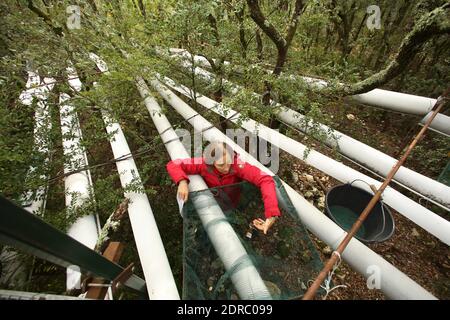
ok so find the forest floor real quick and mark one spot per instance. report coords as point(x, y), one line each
point(411, 249)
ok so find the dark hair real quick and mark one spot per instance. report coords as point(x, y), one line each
point(211, 155)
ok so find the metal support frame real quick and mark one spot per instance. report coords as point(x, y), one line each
point(24, 231)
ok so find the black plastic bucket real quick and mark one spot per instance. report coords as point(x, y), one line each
point(344, 203)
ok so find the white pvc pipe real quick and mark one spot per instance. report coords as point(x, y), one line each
point(394, 283)
point(358, 151)
point(389, 100)
point(34, 202)
point(78, 185)
point(244, 275)
point(200, 60)
point(14, 272)
point(396, 101)
point(155, 265)
point(436, 225)
point(33, 81)
point(376, 160)
point(440, 123)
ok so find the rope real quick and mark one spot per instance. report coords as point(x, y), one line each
point(327, 282)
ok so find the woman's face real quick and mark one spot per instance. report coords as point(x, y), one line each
point(223, 165)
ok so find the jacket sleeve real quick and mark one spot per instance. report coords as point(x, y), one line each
point(267, 186)
point(179, 169)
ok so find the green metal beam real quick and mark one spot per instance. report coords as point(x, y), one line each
point(25, 231)
point(23, 295)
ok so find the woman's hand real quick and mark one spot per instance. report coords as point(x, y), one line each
point(183, 190)
point(264, 226)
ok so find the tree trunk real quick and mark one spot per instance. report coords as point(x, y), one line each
point(282, 43)
point(281, 60)
point(111, 226)
point(240, 18)
point(274, 123)
point(259, 45)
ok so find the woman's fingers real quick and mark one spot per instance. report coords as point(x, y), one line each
point(263, 225)
point(269, 222)
point(183, 191)
point(258, 221)
point(266, 227)
point(258, 224)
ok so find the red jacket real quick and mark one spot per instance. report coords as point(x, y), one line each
point(180, 169)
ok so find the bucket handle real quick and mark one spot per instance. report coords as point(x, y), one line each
point(372, 187)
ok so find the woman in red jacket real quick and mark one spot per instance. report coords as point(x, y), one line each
point(221, 166)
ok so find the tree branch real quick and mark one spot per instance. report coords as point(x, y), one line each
point(111, 226)
point(259, 45)
point(268, 28)
point(431, 24)
point(294, 22)
point(213, 23)
point(240, 17)
point(93, 5)
point(254, 35)
point(142, 8)
point(45, 17)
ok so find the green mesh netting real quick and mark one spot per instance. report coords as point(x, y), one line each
point(285, 258)
point(347, 218)
point(444, 177)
